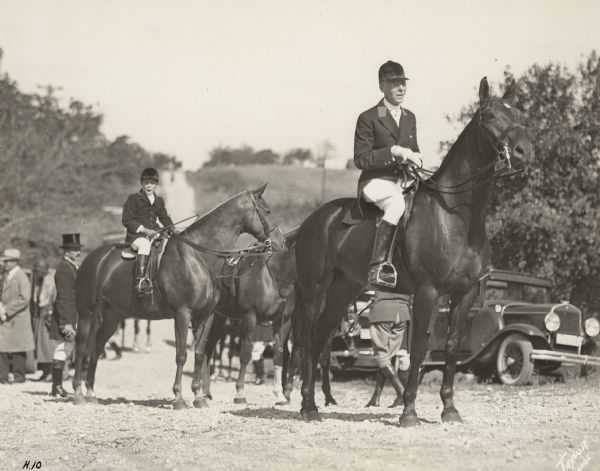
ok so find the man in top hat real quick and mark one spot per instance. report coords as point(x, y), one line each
point(64, 316)
point(16, 335)
point(140, 214)
point(385, 141)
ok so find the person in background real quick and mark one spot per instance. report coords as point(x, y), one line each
point(388, 320)
point(263, 336)
point(16, 335)
point(44, 295)
point(64, 317)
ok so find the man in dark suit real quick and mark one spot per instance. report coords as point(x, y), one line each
point(385, 140)
point(64, 316)
point(140, 214)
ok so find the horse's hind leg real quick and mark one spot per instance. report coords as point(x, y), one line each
point(424, 304)
point(110, 323)
point(214, 336)
point(325, 362)
point(85, 339)
point(459, 306)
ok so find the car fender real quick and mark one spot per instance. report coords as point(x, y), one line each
point(487, 354)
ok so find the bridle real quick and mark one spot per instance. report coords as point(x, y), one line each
point(264, 246)
point(502, 166)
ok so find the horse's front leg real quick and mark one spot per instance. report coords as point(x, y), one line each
point(424, 304)
point(459, 306)
point(182, 322)
point(248, 327)
point(325, 361)
point(200, 337)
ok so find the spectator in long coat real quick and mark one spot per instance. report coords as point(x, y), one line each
point(44, 295)
point(64, 316)
point(16, 335)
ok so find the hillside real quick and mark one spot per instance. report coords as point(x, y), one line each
point(292, 192)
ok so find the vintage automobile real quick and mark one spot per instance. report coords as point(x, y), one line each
point(511, 331)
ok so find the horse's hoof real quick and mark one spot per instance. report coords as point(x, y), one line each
point(239, 400)
point(282, 403)
point(451, 416)
point(179, 405)
point(311, 416)
point(331, 401)
point(208, 396)
point(92, 399)
point(409, 421)
point(200, 403)
point(79, 400)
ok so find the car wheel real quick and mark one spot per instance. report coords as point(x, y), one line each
point(514, 364)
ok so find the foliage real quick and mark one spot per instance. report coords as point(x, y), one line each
point(547, 220)
point(58, 168)
point(245, 155)
point(298, 156)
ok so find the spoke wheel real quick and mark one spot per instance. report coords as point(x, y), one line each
point(514, 363)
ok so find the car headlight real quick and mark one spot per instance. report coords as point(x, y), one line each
point(592, 327)
point(552, 321)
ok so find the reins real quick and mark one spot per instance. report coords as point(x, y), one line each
point(502, 157)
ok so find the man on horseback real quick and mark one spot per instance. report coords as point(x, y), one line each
point(140, 214)
point(384, 141)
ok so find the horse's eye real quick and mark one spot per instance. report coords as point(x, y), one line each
point(489, 115)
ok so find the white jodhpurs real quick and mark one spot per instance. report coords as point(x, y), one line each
point(387, 196)
point(258, 348)
point(63, 350)
point(142, 245)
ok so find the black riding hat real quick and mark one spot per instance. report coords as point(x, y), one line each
point(391, 71)
point(149, 173)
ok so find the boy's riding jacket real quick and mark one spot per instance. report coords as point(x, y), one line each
point(139, 211)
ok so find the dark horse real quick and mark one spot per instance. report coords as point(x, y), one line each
point(185, 283)
point(442, 248)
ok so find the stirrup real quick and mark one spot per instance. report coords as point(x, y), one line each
point(383, 274)
point(144, 286)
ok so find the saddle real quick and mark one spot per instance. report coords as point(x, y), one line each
point(365, 211)
point(156, 251)
point(234, 268)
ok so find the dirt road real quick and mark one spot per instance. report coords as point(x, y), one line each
point(544, 427)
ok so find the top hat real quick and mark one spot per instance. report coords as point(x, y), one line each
point(391, 71)
point(10, 254)
point(71, 241)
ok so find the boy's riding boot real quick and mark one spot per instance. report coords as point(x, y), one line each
point(143, 286)
point(259, 371)
point(57, 379)
point(382, 273)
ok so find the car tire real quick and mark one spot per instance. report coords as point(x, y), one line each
point(513, 363)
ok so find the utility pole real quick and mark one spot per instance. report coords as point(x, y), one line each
point(325, 150)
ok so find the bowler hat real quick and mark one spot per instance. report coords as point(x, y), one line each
point(149, 174)
point(10, 254)
point(391, 71)
point(71, 241)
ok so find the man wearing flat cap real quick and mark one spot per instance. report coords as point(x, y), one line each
point(16, 335)
point(64, 316)
point(385, 141)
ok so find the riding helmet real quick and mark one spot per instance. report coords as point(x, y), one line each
point(149, 173)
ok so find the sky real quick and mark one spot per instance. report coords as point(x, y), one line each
point(183, 77)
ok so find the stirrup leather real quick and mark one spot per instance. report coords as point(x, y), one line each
point(383, 274)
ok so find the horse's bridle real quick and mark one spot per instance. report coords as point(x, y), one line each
point(268, 230)
point(503, 158)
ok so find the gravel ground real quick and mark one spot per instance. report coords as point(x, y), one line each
point(542, 427)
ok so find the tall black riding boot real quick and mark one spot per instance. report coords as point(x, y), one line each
point(382, 273)
point(392, 377)
point(143, 286)
point(57, 379)
point(259, 371)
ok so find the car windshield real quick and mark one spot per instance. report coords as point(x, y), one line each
point(516, 291)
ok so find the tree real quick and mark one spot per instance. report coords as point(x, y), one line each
point(546, 221)
point(298, 156)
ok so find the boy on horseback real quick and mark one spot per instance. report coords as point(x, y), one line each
point(140, 214)
point(385, 140)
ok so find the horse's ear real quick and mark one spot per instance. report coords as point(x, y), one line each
point(484, 90)
point(260, 190)
point(511, 92)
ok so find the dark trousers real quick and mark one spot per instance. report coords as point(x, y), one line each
point(18, 365)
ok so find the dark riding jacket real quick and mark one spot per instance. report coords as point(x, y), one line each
point(376, 133)
point(138, 211)
point(65, 311)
